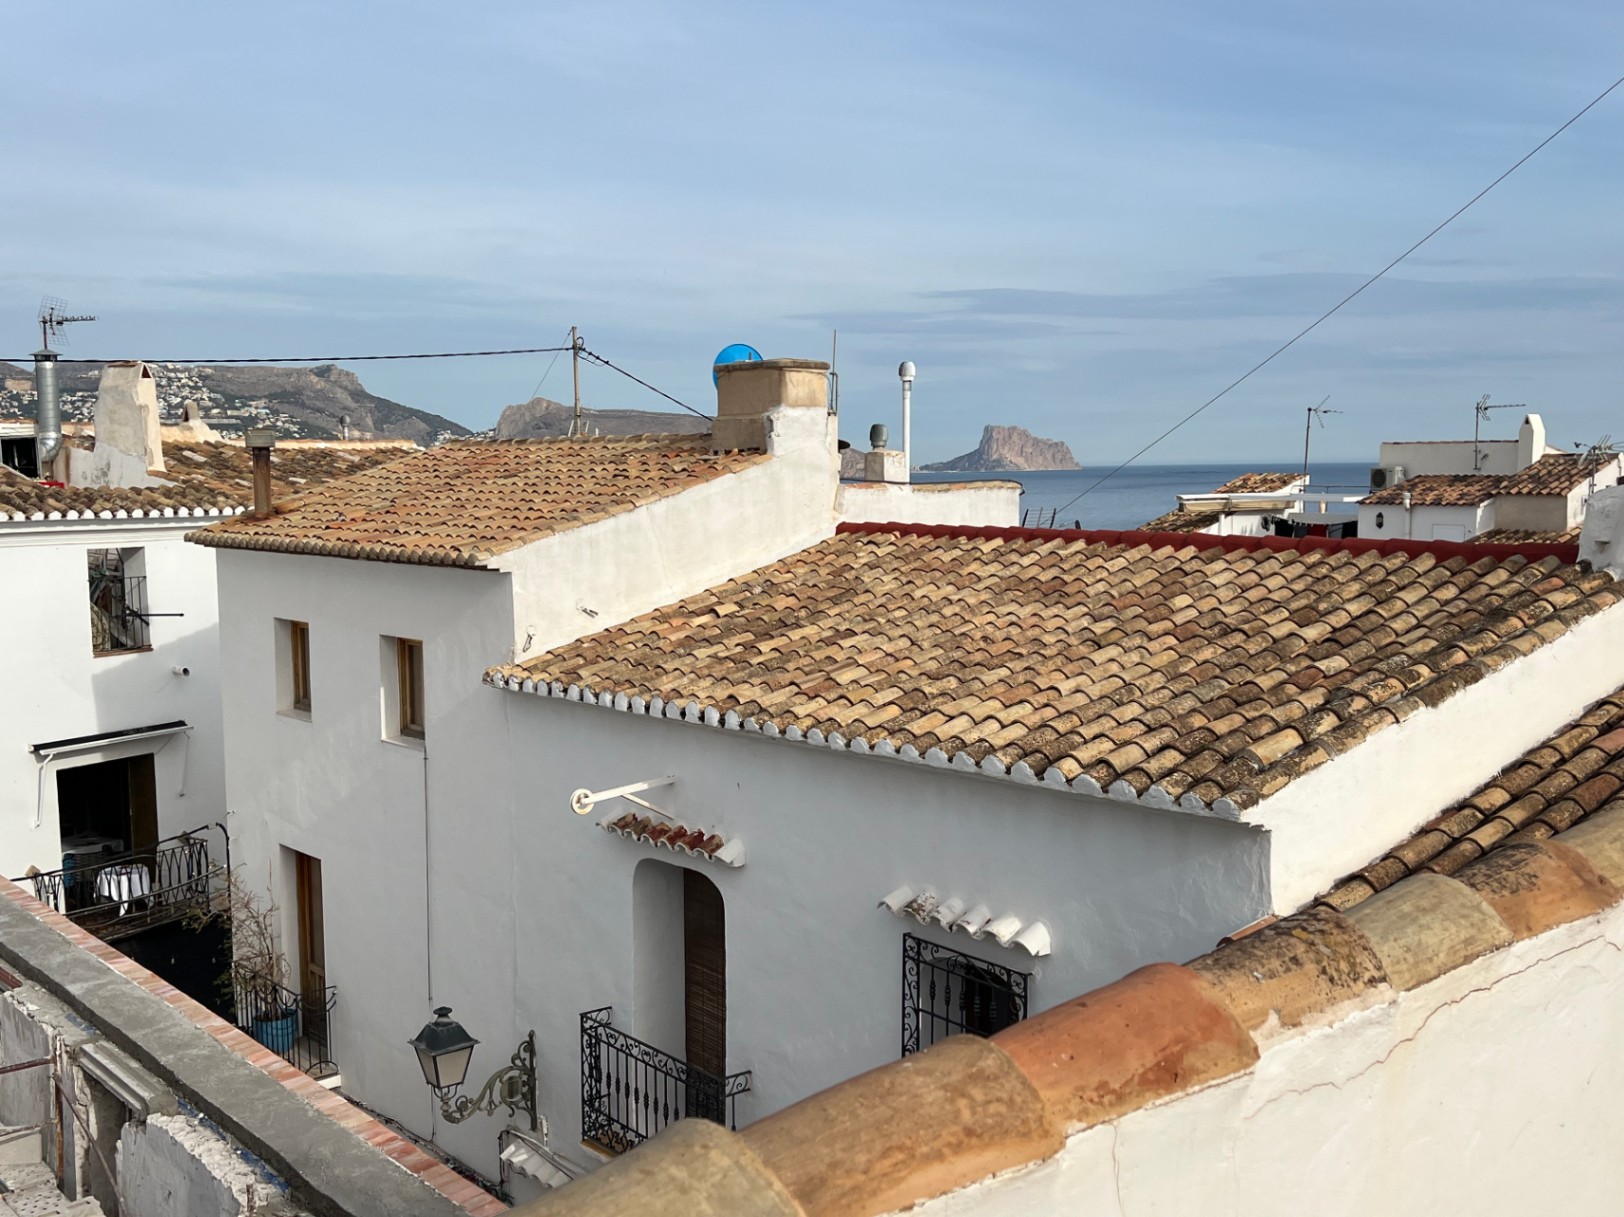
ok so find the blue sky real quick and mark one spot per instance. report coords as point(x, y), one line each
point(1084, 219)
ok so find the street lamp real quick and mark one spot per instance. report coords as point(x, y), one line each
point(444, 1050)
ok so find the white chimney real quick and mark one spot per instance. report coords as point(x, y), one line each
point(1601, 539)
point(1530, 441)
point(129, 450)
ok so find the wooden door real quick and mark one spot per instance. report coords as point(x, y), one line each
point(704, 940)
point(143, 787)
point(312, 939)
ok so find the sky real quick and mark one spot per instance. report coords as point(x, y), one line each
point(1081, 218)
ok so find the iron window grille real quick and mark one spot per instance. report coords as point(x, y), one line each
point(630, 1090)
point(946, 992)
point(119, 620)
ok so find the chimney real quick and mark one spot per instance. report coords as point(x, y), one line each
point(746, 392)
point(48, 409)
point(260, 441)
point(880, 463)
point(1530, 441)
point(127, 415)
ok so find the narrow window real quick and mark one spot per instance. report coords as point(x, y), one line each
point(299, 656)
point(118, 601)
point(409, 664)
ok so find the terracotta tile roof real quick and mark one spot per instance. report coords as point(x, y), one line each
point(1520, 536)
point(1555, 473)
point(966, 1108)
point(210, 478)
point(1180, 520)
point(1188, 670)
point(1258, 483)
point(1439, 490)
point(465, 502)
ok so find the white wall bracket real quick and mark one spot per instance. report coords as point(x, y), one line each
point(583, 801)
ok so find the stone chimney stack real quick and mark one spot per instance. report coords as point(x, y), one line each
point(127, 414)
point(746, 392)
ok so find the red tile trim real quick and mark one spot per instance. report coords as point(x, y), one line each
point(437, 1175)
point(1567, 553)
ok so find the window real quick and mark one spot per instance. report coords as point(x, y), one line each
point(946, 992)
point(293, 667)
point(409, 687)
point(118, 601)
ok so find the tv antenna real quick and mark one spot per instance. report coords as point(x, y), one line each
point(53, 315)
point(1315, 414)
point(1481, 412)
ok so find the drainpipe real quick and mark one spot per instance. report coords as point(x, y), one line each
point(260, 441)
point(48, 409)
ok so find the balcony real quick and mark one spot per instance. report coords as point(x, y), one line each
point(296, 1026)
point(946, 992)
point(631, 1090)
point(118, 895)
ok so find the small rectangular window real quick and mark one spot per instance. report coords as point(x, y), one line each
point(409, 667)
point(299, 657)
point(118, 601)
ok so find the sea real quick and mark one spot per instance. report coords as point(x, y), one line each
point(1140, 492)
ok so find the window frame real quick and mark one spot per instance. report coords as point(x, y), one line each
point(409, 699)
point(299, 665)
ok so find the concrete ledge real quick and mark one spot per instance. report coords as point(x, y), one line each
point(1155, 1032)
point(332, 1171)
point(1426, 926)
point(911, 1130)
point(693, 1168)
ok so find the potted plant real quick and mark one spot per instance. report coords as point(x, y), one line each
point(257, 979)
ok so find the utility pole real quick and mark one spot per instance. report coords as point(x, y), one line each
point(575, 371)
point(1314, 412)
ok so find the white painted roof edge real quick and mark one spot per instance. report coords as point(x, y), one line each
point(990, 766)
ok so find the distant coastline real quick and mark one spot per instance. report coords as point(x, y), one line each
point(1009, 450)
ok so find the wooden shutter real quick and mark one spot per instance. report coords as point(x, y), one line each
point(704, 941)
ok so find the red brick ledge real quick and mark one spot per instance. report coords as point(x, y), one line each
point(1567, 554)
point(470, 1198)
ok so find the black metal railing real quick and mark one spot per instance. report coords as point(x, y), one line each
point(296, 1026)
point(631, 1090)
point(115, 895)
point(118, 611)
point(946, 992)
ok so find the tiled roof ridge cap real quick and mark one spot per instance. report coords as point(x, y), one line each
point(1566, 553)
point(885, 1140)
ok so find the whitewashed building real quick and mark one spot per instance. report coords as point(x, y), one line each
point(752, 798)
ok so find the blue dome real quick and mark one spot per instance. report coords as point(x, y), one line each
point(738, 352)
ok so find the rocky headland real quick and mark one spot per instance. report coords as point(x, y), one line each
point(1009, 450)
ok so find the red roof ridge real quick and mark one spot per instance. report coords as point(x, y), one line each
point(1566, 553)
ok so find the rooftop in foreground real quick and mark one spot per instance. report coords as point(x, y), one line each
point(465, 502)
point(1195, 671)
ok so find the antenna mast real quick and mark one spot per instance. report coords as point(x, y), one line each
point(1479, 413)
point(53, 315)
point(1314, 413)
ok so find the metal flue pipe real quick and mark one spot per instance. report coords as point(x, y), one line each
point(47, 407)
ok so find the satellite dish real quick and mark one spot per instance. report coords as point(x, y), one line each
point(739, 352)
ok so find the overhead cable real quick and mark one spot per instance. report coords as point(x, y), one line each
point(319, 358)
point(599, 359)
point(1335, 308)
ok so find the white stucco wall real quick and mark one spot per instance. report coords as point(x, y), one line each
point(989, 504)
point(1450, 456)
point(57, 689)
point(1426, 523)
point(1492, 1090)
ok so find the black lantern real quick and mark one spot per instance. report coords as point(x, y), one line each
point(444, 1050)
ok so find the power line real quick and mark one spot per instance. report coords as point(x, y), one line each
point(599, 359)
point(323, 358)
point(536, 392)
point(1326, 316)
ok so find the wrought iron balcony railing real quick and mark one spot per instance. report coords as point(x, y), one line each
point(296, 1026)
point(116, 895)
point(630, 1090)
